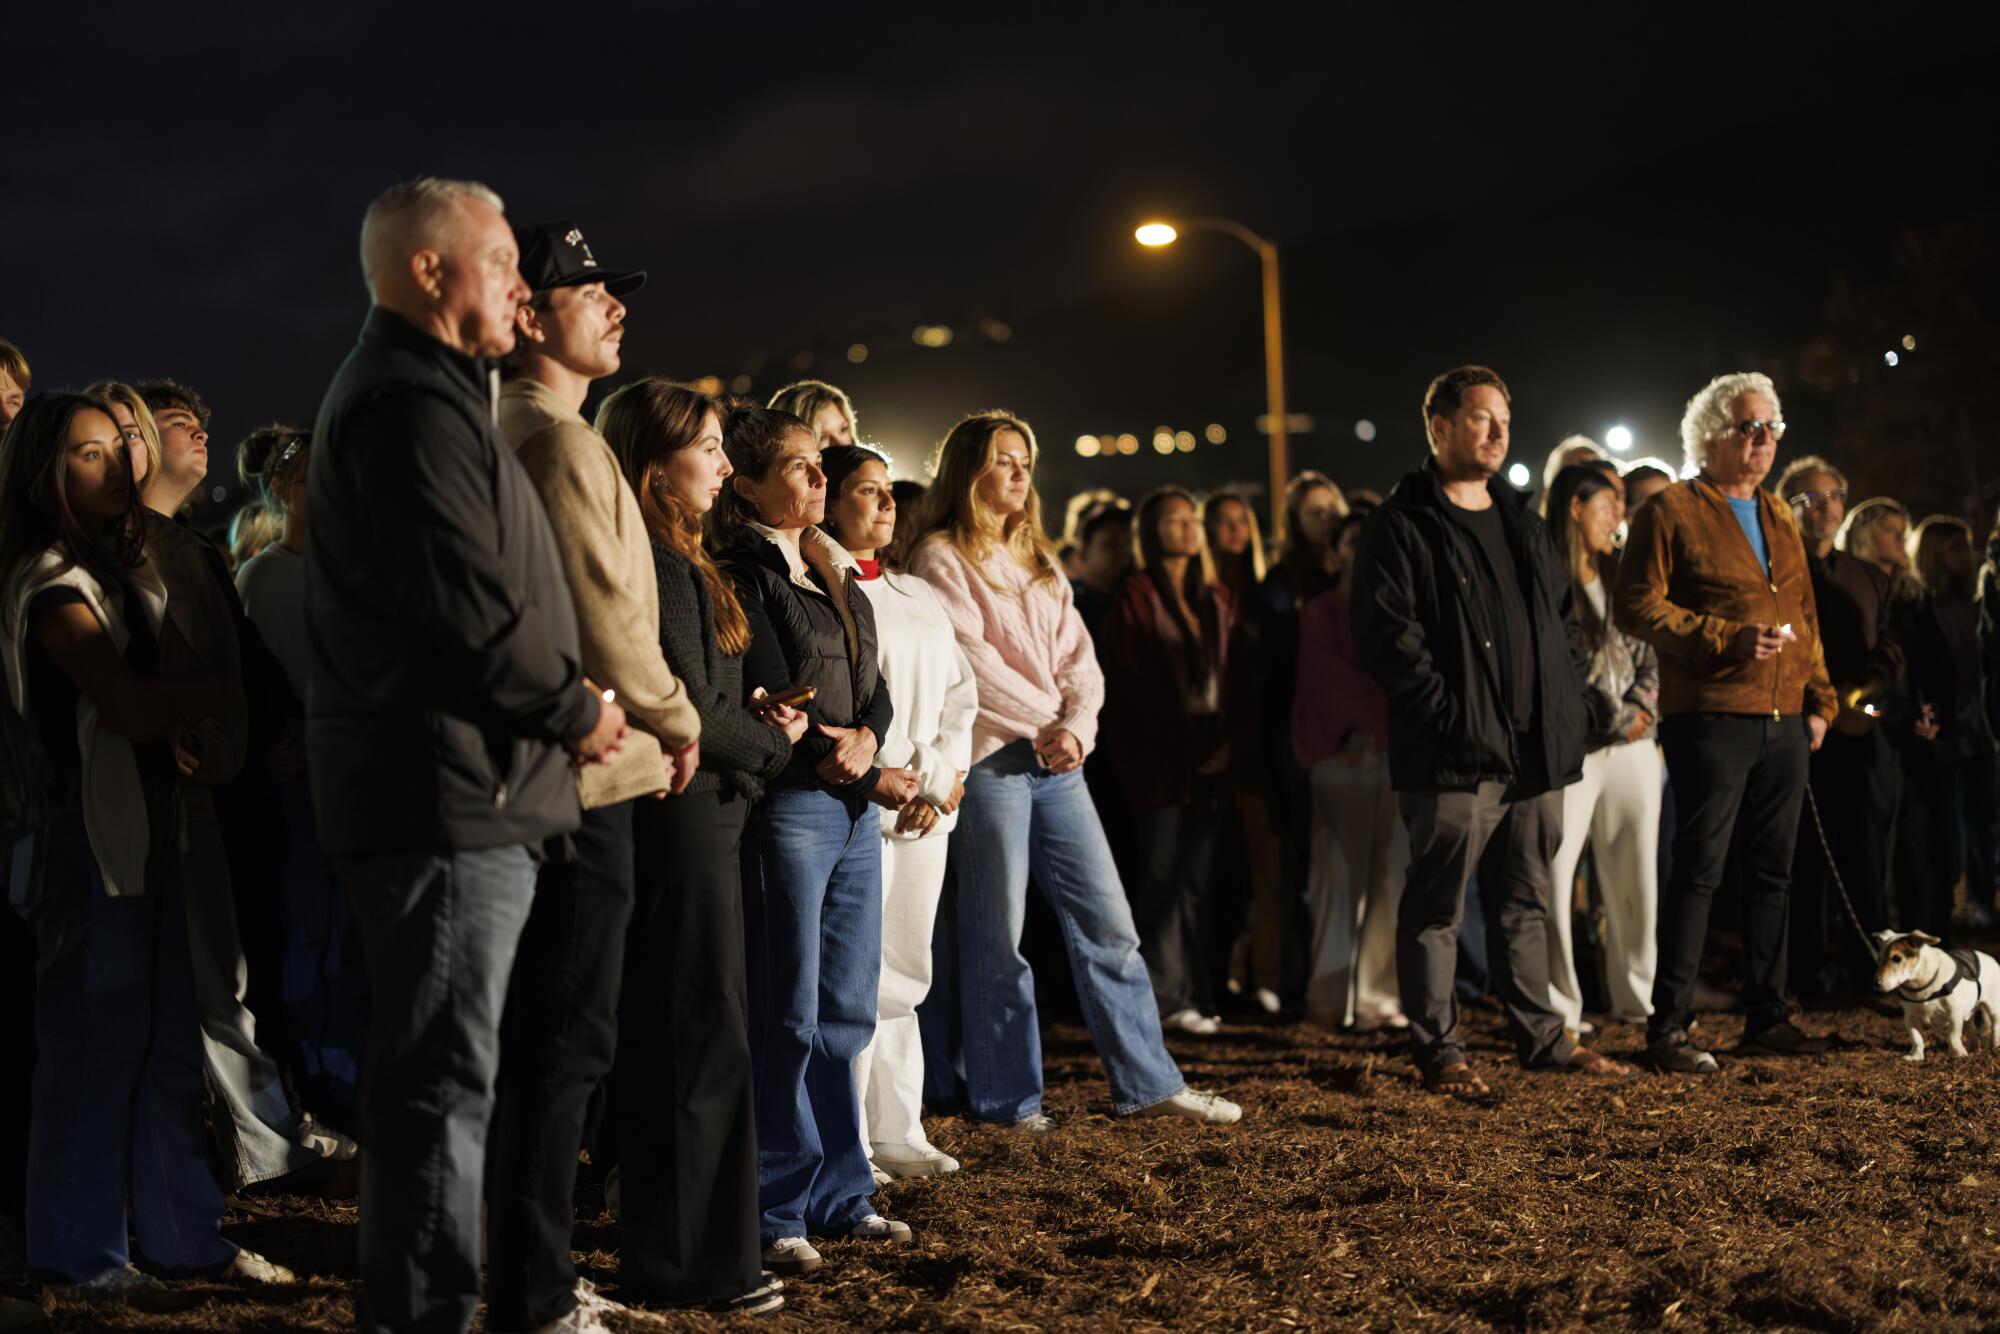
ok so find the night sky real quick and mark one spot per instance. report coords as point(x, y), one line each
point(1608, 212)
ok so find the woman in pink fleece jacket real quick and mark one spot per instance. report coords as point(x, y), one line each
point(981, 548)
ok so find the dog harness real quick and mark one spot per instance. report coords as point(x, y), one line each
point(1965, 968)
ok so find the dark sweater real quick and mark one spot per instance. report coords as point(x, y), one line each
point(737, 748)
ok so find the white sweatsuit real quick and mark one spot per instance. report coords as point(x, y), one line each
point(931, 686)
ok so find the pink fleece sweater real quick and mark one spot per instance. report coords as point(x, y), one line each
point(1029, 652)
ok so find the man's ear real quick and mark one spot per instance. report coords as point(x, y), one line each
point(528, 324)
point(427, 267)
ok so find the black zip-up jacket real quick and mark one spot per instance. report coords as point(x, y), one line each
point(798, 637)
point(444, 670)
point(1426, 636)
point(739, 750)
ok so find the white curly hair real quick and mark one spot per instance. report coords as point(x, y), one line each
point(1707, 416)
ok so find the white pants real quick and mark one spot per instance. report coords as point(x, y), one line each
point(889, 1072)
point(1615, 807)
point(1360, 855)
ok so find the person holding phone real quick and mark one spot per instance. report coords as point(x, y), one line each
point(812, 853)
point(981, 548)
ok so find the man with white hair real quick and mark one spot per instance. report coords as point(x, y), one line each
point(1715, 578)
point(445, 707)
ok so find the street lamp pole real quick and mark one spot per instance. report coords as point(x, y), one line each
point(1159, 234)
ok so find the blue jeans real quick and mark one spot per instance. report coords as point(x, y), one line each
point(1016, 818)
point(812, 920)
point(440, 931)
point(118, 1092)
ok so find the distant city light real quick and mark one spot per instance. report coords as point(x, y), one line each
point(1184, 441)
point(1107, 445)
point(931, 335)
point(857, 352)
point(1618, 439)
point(1128, 443)
point(998, 331)
point(1087, 446)
point(1364, 430)
point(1156, 234)
point(1163, 441)
point(1518, 474)
point(741, 384)
point(1909, 342)
point(1890, 358)
point(1214, 433)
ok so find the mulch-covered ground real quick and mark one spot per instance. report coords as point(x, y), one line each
point(1846, 1192)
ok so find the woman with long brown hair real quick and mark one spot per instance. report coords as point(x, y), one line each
point(1164, 657)
point(982, 549)
point(681, 1123)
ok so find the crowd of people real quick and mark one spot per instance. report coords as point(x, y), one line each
point(509, 787)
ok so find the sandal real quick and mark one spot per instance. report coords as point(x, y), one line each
point(1584, 1061)
point(1457, 1080)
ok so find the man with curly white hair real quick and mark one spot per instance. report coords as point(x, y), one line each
point(1715, 578)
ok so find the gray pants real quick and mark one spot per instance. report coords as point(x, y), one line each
point(440, 933)
point(1509, 843)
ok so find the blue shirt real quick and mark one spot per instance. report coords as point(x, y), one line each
point(1746, 516)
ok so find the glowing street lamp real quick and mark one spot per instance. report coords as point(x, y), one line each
point(1154, 235)
point(1619, 438)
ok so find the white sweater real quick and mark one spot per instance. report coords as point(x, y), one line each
point(930, 684)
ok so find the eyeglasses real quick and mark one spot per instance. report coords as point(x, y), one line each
point(1750, 430)
point(1814, 500)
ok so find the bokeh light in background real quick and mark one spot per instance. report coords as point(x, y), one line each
point(1618, 439)
point(1364, 430)
point(1214, 433)
point(1519, 474)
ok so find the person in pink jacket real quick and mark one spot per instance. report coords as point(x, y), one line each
point(982, 550)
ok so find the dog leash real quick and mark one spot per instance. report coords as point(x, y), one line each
point(1819, 827)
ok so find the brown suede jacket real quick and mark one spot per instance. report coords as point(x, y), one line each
point(1690, 582)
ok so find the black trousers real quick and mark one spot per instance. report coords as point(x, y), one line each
point(1174, 847)
point(681, 1121)
point(17, 1069)
point(1739, 783)
point(557, 1039)
point(1857, 784)
point(1931, 842)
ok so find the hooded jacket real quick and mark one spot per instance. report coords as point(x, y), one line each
point(1427, 638)
point(445, 676)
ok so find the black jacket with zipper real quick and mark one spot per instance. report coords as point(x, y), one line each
point(799, 637)
point(444, 674)
point(1427, 637)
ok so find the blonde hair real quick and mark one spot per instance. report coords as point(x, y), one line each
point(955, 513)
point(804, 398)
point(125, 396)
point(251, 529)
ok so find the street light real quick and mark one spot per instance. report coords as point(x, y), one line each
point(1158, 234)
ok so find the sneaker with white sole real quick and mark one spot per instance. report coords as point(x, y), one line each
point(904, 1160)
point(766, 1297)
point(882, 1176)
point(250, 1267)
point(1207, 1108)
point(1035, 1123)
point(877, 1228)
point(1267, 1000)
point(791, 1255)
point(1192, 1021)
point(587, 1296)
point(325, 1141)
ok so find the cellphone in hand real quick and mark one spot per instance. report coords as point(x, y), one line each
point(791, 698)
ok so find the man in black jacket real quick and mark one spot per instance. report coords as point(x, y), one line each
point(445, 706)
point(1462, 611)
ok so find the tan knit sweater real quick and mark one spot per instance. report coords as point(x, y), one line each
point(609, 562)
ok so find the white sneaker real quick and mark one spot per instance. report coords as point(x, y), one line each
point(580, 1320)
point(1193, 1021)
point(1207, 1108)
point(877, 1228)
point(250, 1267)
point(791, 1255)
point(1267, 1000)
point(1036, 1123)
point(882, 1177)
point(902, 1160)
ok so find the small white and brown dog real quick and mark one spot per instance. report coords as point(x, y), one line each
point(1934, 983)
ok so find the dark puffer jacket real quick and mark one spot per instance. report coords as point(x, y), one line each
point(1428, 639)
point(820, 634)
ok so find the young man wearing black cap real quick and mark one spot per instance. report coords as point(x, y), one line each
point(559, 1035)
